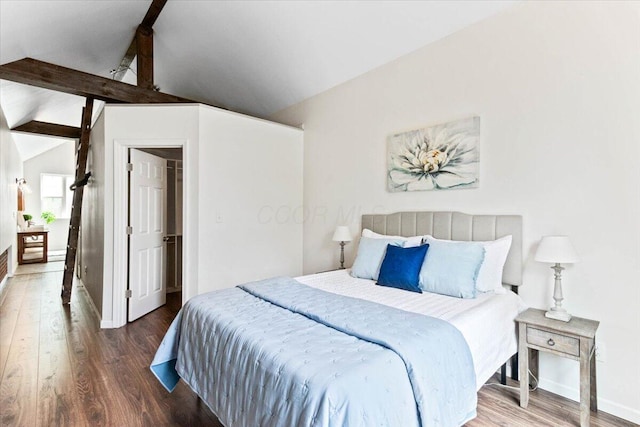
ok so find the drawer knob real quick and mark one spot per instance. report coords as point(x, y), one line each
point(551, 342)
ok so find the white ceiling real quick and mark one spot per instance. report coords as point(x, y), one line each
point(256, 57)
point(30, 145)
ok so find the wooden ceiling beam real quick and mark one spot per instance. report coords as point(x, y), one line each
point(32, 72)
point(49, 129)
point(125, 64)
point(147, 24)
point(144, 57)
point(153, 13)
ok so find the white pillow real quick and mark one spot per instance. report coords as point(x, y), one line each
point(407, 242)
point(373, 235)
point(495, 255)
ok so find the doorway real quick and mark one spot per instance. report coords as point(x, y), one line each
point(155, 228)
point(116, 237)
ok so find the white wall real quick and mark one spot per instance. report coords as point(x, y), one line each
point(147, 125)
point(250, 191)
point(10, 169)
point(235, 168)
point(58, 160)
point(557, 86)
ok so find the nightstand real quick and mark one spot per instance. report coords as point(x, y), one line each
point(574, 340)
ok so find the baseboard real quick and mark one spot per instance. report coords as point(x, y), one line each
point(605, 405)
point(106, 324)
point(3, 288)
point(91, 303)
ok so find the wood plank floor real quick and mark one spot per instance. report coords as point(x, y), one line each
point(58, 368)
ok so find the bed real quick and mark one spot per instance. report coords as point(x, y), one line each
point(330, 349)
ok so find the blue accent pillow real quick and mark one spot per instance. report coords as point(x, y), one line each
point(370, 254)
point(451, 268)
point(401, 267)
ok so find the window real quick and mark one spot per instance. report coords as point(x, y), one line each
point(55, 194)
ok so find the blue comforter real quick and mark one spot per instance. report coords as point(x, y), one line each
point(279, 353)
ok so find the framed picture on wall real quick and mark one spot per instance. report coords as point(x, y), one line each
point(440, 157)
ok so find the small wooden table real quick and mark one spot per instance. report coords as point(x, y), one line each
point(26, 240)
point(574, 340)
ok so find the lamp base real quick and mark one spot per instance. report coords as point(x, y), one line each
point(558, 315)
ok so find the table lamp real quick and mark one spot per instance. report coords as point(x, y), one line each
point(557, 250)
point(342, 235)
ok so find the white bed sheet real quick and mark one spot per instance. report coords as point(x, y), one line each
point(484, 321)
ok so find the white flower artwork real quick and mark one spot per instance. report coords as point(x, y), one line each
point(438, 157)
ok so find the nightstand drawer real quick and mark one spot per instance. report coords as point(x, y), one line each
point(552, 341)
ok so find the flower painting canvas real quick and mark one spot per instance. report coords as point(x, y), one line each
point(438, 157)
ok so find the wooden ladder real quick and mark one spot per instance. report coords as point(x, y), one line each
point(76, 207)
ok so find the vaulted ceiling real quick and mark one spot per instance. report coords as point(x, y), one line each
point(256, 57)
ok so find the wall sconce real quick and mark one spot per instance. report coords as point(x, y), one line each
point(22, 185)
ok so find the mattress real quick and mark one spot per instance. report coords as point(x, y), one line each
point(486, 322)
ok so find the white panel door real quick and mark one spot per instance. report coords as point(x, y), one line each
point(147, 249)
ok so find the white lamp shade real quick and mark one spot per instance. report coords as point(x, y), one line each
point(556, 249)
point(342, 234)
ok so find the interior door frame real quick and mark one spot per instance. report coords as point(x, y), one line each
point(120, 221)
point(155, 291)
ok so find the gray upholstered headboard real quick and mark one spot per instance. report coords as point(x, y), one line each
point(456, 226)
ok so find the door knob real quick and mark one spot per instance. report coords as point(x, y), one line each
point(165, 239)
